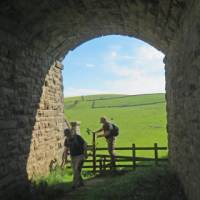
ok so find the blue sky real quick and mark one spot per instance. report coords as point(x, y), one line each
point(113, 64)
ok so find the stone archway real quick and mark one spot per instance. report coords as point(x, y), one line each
point(35, 34)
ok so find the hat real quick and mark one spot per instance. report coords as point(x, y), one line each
point(75, 123)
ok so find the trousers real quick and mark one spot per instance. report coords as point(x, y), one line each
point(111, 149)
point(77, 164)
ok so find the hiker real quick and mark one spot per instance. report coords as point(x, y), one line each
point(107, 129)
point(77, 148)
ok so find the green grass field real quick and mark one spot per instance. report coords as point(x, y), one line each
point(141, 118)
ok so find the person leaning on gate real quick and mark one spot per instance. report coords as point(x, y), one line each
point(107, 129)
point(77, 148)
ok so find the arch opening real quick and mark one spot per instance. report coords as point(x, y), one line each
point(100, 72)
point(31, 43)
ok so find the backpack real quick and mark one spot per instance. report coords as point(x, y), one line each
point(115, 130)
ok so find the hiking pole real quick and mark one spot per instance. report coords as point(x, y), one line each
point(67, 123)
point(64, 160)
point(89, 131)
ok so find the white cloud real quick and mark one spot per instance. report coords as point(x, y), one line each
point(133, 85)
point(149, 53)
point(113, 55)
point(89, 65)
point(137, 74)
point(137, 85)
point(149, 57)
point(71, 91)
point(146, 58)
point(115, 47)
point(136, 71)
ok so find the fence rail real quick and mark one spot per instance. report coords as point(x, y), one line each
point(102, 162)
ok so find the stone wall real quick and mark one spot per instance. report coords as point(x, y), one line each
point(183, 97)
point(34, 34)
point(31, 113)
point(47, 135)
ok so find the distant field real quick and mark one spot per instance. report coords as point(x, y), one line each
point(93, 97)
point(126, 101)
point(141, 118)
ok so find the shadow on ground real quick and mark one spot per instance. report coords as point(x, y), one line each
point(155, 183)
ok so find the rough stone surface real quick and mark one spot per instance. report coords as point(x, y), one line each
point(33, 34)
point(47, 132)
point(31, 113)
point(183, 94)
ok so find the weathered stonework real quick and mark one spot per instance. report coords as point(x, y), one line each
point(33, 34)
point(183, 94)
point(31, 116)
point(47, 138)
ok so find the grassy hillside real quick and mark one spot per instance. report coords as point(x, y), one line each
point(92, 97)
point(127, 101)
point(141, 118)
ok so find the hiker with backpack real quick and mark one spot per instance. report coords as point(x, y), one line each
point(77, 148)
point(110, 131)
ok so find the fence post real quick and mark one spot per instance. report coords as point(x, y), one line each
point(100, 164)
point(156, 153)
point(134, 156)
point(104, 163)
point(94, 152)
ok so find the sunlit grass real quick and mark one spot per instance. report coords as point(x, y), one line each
point(56, 176)
point(142, 125)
